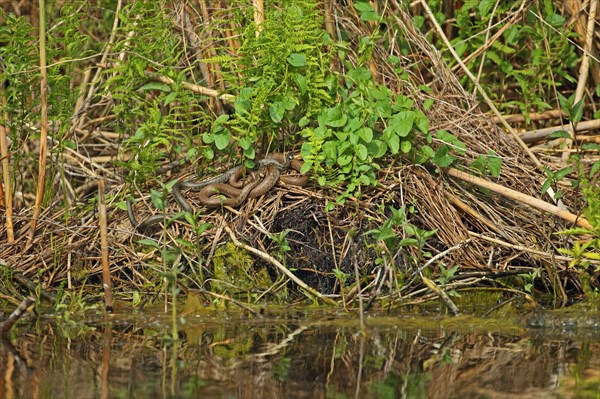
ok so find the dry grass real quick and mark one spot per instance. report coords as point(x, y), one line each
point(499, 234)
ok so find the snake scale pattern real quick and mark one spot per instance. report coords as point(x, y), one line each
point(230, 188)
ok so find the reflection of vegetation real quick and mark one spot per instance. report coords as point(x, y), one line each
point(413, 385)
point(282, 369)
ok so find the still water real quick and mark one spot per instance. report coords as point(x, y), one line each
point(306, 353)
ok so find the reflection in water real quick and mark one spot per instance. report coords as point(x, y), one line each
point(295, 357)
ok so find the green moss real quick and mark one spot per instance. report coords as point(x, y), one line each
point(234, 272)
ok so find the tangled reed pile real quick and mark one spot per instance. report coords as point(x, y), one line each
point(485, 233)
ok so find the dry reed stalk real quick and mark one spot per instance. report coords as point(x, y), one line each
point(480, 89)
point(6, 193)
point(522, 198)
point(259, 15)
point(538, 134)
point(44, 125)
point(584, 69)
point(106, 281)
point(533, 116)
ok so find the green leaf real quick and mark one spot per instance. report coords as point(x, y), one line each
point(428, 151)
point(563, 172)
point(485, 6)
point(394, 144)
point(170, 98)
point(156, 86)
point(405, 146)
point(546, 185)
point(421, 121)
point(302, 83)
point(577, 111)
point(222, 139)
point(367, 13)
point(297, 60)
point(335, 117)
point(344, 159)
point(494, 165)
point(555, 20)
point(149, 242)
point(361, 152)
point(402, 122)
point(277, 111)
point(158, 199)
point(242, 106)
point(366, 134)
point(559, 134)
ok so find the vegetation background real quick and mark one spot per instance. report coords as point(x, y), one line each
point(451, 145)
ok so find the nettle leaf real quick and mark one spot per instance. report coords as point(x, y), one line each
point(494, 163)
point(297, 60)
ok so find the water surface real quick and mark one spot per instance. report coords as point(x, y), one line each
point(301, 353)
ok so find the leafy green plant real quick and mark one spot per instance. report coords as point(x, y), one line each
point(281, 79)
point(397, 232)
point(66, 44)
point(282, 244)
point(447, 274)
point(158, 119)
point(587, 250)
point(353, 137)
point(529, 56)
point(529, 279)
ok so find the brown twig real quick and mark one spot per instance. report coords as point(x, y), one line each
point(538, 134)
point(106, 281)
point(44, 125)
point(280, 267)
point(584, 69)
point(522, 198)
point(6, 191)
point(7, 324)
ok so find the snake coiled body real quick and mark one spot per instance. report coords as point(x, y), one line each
point(232, 187)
